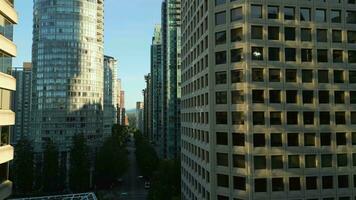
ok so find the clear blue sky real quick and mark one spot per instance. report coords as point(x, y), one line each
point(128, 33)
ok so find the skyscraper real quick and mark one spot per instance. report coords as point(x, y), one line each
point(147, 101)
point(268, 99)
point(156, 85)
point(110, 94)
point(140, 116)
point(171, 82)
point(8, 17)
point(68, 72)
point(22, 102)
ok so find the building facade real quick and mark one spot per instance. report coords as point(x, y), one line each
point(147, 108)
point(140, 116)
point(8, 18)
point(68, 74)
point(22, 102)
point(122, 109)
point(171, 77)
point(156, 85)
point(110, 94)
point(269, 99)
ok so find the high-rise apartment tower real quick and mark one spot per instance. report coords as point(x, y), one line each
point(269, 99)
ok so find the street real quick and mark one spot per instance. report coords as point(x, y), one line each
point(132, 187)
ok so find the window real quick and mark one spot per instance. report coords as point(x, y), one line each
point(308, 118)
point(277, 184)
point(321, 35)
point(320, 15)
point(221, 138)
point(236, 55)
point(273, 12)
point(342, 160)
point(323, 76)
point(219, 2)
point(305, 14)
point(343, 181)
point(223, 180)
point(307, 76)
point(337, 56)
point(220, 18)
point(351, 17)
point(352, 76)
point(238, 161)
point(259, 162)
point(273, 54)
point(353, 140)
point(309, 139)
point(340, 139)
point(220, 78)
point(275, 96)
point(257, 53)
point(353, 118)
point(291, 75)
point(221, 97)
point(258, 96)
point(326, 160)
point(292, 118)
point(274, 75)
point(239, 183)
point(257, 75)
point(327, 182)
point(238, 118)
point(276, 140)
point(256, 11)
point(236, 34)
point(290, 54)
point(337, 36)
point(305, 34)
point(292, 96)
point(322, 55)
point(222, 159)
point(325, 139)
point(237, 76)
point(289, 33)
point(335, 16)
point(275, 118)
point(220, 37)
point(237, 97)
point(221, 117)
point(236, 14)
point(259, 140)
point(293, 161)
point(351, 37)
point(324, 118)
point(257, 32)
point(352, 56)
point(311, 182)
point(340, 118)
point(339, 97)
point(307, 55)
point(324, 97)
point(238, 139)
point(277, 162)
point(308, 96)
point(260, 185)
point(4, 135)
point(310, 161)
point(258, 118)
point(273, 33)
point(293, 139)
point(294, 183)
point(352, 97)
point(289, 13)
point(220, 57)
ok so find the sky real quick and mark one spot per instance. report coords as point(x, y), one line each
point(129, 26)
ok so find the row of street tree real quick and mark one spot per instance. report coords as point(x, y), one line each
point(49, 176)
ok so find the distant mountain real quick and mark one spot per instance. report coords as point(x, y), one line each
point(131, 111)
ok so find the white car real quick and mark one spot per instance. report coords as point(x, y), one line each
point(147, 185)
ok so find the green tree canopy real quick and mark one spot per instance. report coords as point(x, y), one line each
point(50, 172)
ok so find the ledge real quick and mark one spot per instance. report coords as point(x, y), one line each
point(7, 118)
point(7, 45)
point(6, 153)
point(9, 11)
point(7, 82)
point(5, 189)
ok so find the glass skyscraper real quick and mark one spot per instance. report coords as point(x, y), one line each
point(68, 82)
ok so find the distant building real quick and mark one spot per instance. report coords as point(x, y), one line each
point(122, 109)
point(110, 94)
point(147, 108)
point(8, 18)
point(118, 101)
point(140, 116)
point(22, 102)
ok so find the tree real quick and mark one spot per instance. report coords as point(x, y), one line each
point(146, 156)
point(111, 163)
point(79, 170)
point(24, 167)
point(50, 172)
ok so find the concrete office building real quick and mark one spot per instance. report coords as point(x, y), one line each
point(171, 77)
point(140, 116)
point(68, 72)
point(156, 86)
point(22, 102)
point(8, 18)
point(110, 94)
point(269, 99)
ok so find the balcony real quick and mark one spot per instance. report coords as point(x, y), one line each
point(7, 118)
point(5, 189)
point(7, 8)
point(7, 45)
point(6, 153)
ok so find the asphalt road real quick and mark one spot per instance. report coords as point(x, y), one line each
point(132, 187)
